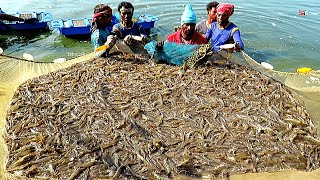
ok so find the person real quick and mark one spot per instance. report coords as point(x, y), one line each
point(8, 17)
point(203, 26)
point(224, 32)
point(187, 34)
point(127, 29)
point(99, 33)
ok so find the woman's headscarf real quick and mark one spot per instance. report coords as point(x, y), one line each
point(225, 8)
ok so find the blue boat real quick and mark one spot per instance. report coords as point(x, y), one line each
point(81, 26)
point(41, 24)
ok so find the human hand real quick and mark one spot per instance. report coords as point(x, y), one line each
point(30, 20)
point(144, 40)
point(128, 39)
point(111, 40)
point(237, 47)
point(160, 45)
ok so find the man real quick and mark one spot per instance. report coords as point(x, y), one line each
point(187, 34)
point(224, 32)
point(127, 29)
point(4, 16)
point(203, 26)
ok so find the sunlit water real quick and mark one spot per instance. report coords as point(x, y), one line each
point(273, 31)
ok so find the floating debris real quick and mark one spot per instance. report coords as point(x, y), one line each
point(267, 65)
point(124, 118)
point(59, 60)
point(27, 56)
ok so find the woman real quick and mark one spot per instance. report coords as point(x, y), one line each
point(223, 31)
point(99, 33)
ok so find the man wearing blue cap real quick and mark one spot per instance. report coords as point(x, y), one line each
point(187, 33)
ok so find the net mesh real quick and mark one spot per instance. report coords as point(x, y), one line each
point(306, 86)
point(171, 53)
point(13, 72)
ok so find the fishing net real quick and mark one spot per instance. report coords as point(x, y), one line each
point(177, 54)
point(14, 72)
point(306, 86)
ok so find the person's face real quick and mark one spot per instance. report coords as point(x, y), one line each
point(126, 15)
point(222, 18)
point(212, 13)
point(105, 19)
point(188, 29)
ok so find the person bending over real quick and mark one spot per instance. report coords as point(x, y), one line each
point(99, 33)
point(223, 31)
point(127, 29)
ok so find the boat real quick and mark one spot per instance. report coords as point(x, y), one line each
point(41, 24)
point(81, 26)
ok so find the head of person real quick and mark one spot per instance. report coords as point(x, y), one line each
point(125, 10)
point(188, 22)
point(102, 14)
point(212, 10)
point(224, 11)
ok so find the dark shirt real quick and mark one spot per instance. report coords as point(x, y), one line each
point(122, 31)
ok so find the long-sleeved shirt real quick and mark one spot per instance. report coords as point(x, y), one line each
point(229, 34)
point(99, 37)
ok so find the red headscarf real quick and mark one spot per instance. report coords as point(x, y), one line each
point(226, 8)
point(108, 11)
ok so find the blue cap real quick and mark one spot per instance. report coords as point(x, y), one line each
point(188, 15)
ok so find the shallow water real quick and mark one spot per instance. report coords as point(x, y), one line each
point(272, 30)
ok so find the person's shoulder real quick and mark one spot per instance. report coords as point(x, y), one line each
point(173, 35)
point(100, 32)
point(136, 25)
point(201, 23)
point(213, 25)
point(117, 25)
point(231, 26)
